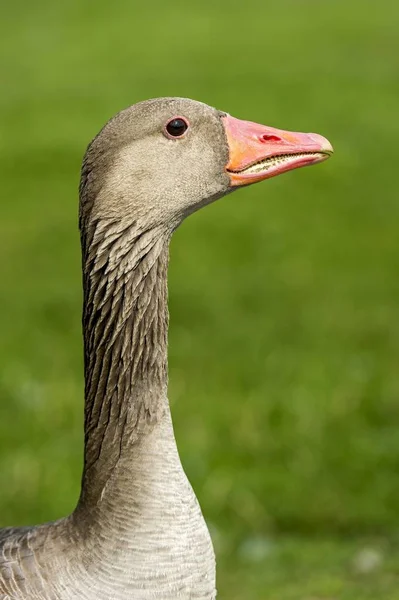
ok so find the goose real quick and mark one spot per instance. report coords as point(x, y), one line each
point(137, 532)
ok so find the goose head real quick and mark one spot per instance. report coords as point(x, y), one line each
point(160, 160)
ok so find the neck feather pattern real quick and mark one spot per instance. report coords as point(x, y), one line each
point(125, 325)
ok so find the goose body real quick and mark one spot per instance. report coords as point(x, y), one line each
point(137, 532)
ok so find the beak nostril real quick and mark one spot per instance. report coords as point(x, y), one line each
point(266, 137)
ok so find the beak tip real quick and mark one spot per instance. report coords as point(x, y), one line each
point(325, 145)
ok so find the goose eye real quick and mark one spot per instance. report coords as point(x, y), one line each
point(176, 127)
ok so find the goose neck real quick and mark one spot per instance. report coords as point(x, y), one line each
point(125, 327)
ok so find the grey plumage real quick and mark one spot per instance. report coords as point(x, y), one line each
point(137, 532)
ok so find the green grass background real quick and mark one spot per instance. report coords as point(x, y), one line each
point(284, 297)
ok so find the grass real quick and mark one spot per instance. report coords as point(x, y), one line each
point(284, 297)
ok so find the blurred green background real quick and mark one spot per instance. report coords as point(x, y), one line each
point(284, 297)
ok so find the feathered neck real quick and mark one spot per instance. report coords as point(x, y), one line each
point(125, 326)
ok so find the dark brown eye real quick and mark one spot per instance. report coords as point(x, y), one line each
point(176, 127)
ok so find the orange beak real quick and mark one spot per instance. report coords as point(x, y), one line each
point(258, 152)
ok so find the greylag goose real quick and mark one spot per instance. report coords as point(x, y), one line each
point(137, 532)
